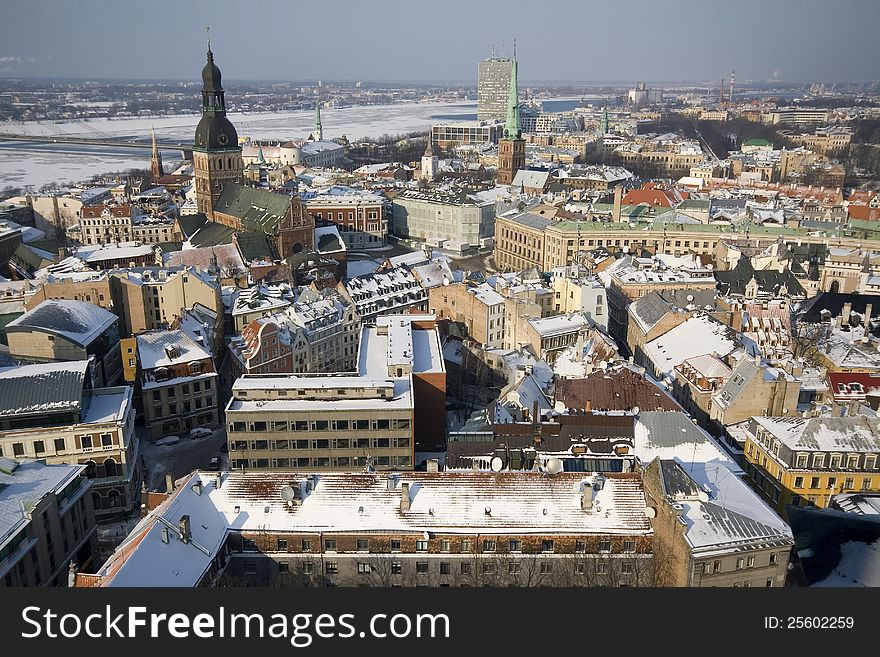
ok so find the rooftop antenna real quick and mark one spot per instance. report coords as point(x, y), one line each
point(208, 36)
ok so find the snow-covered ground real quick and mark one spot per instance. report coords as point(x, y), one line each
point(37, 164)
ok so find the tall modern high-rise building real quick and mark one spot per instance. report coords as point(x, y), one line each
point(493, 84)
point(216, 153)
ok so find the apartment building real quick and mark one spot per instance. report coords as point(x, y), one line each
point(802, 461)
point(259, 301)
point(392, 291)
point(754, 387)
point(330, 325)
point(107, 224)
point(493, 88)
point(268, 346)
point(50, 412)
point(358, 214)
point(454, 219)
point(576, 290)
point(327, 422)
point(68, 331)
point(177, 383)
point(468, 133)
point(479, 307)
point(710, 526)
point(406, 529)
point(47, 522)
point(408, 346)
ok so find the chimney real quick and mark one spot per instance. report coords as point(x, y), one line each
point(71, 575)
point(587, 496)
point(433, 465)
point(183, 526)
point(404, 497)
point(392, 482)
point(536, 413)
point(866, 322)
point(618, 203)
point(847, 309)
point(169, 482)
point(588, 406)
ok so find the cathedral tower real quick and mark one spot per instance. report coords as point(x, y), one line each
point(216, 153)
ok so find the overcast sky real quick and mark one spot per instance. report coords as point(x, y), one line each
point(442, 40)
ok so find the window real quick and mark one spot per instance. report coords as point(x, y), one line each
point(421, 546)
point(396, 567)
point(444, 567)
point(444, 545)
point(848, 483)
point(330, 545)
point(547, 545)
point(798, 482)
point(629, 546)
point(308, 568)
point(488, 545)
point(716, 566)
point(516, 545)
point(39, 446)
point(751, 561)
point(832, 482)
point(769, 583)
point(773, 558)
point(395, 545)
point(740, 563)
point(465, 545)
point(546, 567)
point(626, 569)
point(86, 442)
point(601, 568)
point(605, 546)
point(306, 545)
point(489, 568)
point(282, 544)
point(580, 546)
point(60, 446)
point(248, 545)
point(866, 484)
point(802, 461)
point(364, 568)
point(331, 567)
point(421, 567)
point(466, 569)
point(814, 482)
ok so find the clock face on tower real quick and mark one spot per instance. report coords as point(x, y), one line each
point(223, 138)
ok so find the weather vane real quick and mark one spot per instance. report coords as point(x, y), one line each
point(208, 33)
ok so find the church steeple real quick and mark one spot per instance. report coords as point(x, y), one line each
point(319, 131)
point(512, 126)
point(603, 124)
point(156, 170)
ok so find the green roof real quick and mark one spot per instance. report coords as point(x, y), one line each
point(255, 246)
point(756, 142)
point(190, 223)
point(257, 209)
point(212, 234)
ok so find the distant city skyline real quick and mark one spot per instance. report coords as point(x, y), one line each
point(420, 41)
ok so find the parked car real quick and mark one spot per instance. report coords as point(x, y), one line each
point(200, 432)
point(168, 440)
point(214, 463)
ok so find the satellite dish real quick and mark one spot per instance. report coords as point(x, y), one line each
point(288, 494)
point(635, 410)
point(553, 465)
point(496, 464)
point(650, 511)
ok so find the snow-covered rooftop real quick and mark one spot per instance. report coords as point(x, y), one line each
point(77, 321)
point(448, 502)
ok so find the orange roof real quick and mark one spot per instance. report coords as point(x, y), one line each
point(863, 213)
point(655, 197)
point(115, 210)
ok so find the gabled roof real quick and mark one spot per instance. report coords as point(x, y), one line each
point(257, 209)
point(621, 390)
point(770, 281)
point(255, 247)
point(191, 223)
point(212, 234)
point(833, 302)
point(38, 389)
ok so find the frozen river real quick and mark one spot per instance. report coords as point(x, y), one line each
point(24, 163)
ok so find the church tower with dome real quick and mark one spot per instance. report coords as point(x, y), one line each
point(216, 152)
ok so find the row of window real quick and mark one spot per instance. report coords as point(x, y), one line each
point(445, 568)
point(171, 392)
point(325, 443)
point(320, 425)
point(849, 483)
point(465, 545)
point(325, 462)
point(87, 441)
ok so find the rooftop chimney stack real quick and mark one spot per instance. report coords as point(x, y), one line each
point(866, 322)
point(169, 482)
point(847, 309)
point(404, 497)
point(433, 465)
point(184, 527)
point(587, 497)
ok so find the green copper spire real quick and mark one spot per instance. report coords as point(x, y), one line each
point(512, 126)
